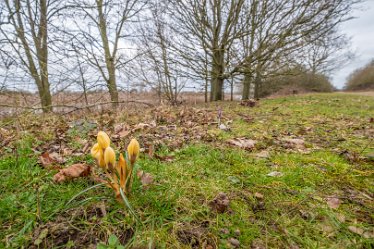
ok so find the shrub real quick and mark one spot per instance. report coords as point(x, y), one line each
point(296, 80)
point(361, 79)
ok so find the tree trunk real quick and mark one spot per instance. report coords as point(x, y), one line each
point(109, 58)
point(41, 45)
point(206, 91)
point(217, 72)
point(232, 90)
point(257, 86)
point(246, 86)
point(45, 95)
point(217, 89)
point(112, 86)
point(46, 99)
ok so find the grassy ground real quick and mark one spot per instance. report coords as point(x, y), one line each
point(323, 197)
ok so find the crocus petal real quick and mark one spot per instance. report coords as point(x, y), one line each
point(95, 151)
point(109, 157)
point(122, 170)
point(103, 140)
point(133, 150)
point(101, 160)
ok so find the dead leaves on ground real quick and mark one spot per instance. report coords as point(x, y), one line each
point(243, 143)
point(196, 236)
point(333, 202)
point(360, 231)
point(51, 160)
point(248, 103)
point(167, 158)
point(6, 137)
point(145, 178)
point(71, 172)
point(293, 143)
point(220, 203)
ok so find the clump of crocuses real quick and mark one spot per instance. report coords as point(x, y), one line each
point(119, 174)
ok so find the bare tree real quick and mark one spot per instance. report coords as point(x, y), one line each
point(249, 37)
point(158, 55)
point(24, 28)
point(214, 27)
point(279, 30)
point(102, 29)
point(326, 53)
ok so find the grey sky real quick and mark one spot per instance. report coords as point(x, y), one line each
point(361, 30)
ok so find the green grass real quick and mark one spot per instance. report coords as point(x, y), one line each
point(174, 211)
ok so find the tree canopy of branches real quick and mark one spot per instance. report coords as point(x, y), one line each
point(102, 27)
point(252, 38)
point(168, 45)
point(24, 28)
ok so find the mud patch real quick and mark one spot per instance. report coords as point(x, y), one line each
point(62, 233)
point(196, 237)
point(78, 228)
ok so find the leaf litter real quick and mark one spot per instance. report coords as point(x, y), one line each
point(175, 128)
point(71, 172)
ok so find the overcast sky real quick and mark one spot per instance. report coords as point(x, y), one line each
point(361, 31)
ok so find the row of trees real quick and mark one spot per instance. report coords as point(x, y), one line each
point(167, 45)
point(362, 78)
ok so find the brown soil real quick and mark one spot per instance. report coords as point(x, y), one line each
point(68, 230)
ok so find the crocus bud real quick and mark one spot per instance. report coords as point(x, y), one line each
point(122, 170)
point(103, 140)
point(133, 150)
point(98, 154)
point(95, 151)
point(109, 157)
point(100, 160)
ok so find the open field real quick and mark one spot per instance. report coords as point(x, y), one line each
point(291, 172)
point(362, 93)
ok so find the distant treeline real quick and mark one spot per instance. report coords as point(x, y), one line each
point(362, 78)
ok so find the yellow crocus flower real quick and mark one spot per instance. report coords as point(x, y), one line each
point(103, 140)
point(100, 160)
point(110, 157)
point(133, 150)
point(95, 151)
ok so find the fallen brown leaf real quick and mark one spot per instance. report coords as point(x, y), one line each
point(333, 202)
point(164, 158)
point(151, 150)
point(259, 195)
point(340, 217)
point(142, 126)
point(327, 229)
point(145, 178)
point(243, 143)
point(73, 171)
point(263, 154)
point(293, 143)
point(356, 230)
point(220, 203)
point(258, 244)
point(124, 133)
point(234, 242)
point(86, 147)
point(369, 234)
point(47, 160)
point(249, 103)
